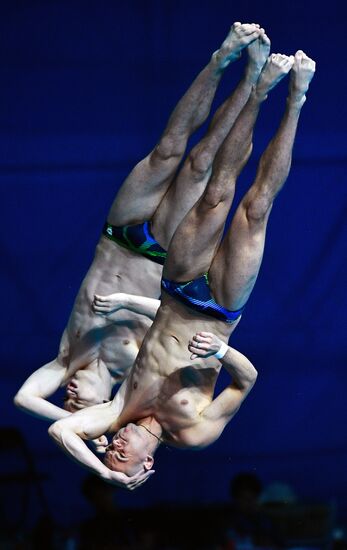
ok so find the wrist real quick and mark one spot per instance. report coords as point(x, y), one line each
point(124, 300)
point(105, 473)
point(222, 351)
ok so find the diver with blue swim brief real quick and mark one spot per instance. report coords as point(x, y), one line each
point(170, 394)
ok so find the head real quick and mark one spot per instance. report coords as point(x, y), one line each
point(245, 490)
point(131, 450)
point(86, 388)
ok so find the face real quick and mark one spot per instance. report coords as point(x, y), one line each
point(84, 390)
point(128, 452)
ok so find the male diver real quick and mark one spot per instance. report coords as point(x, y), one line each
point(96, 351)
point(168, 395)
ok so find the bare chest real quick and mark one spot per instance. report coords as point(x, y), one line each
point(176, 400)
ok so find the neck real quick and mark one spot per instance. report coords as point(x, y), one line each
point(152, 427)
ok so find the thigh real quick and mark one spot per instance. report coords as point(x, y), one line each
point(142, 191)
point(235, 268)
point(195, 242)
point(186, 189)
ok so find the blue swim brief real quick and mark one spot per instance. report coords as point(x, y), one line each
point(196, 294)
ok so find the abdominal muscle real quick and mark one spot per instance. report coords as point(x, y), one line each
point(115, 341)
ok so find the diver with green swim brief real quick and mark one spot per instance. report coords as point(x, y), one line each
point(96, 352)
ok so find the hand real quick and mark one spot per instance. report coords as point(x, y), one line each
point(125, 482)
point(99, 444)
point(103, 305)
point(204, 344)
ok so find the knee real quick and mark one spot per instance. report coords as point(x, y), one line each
point(258, 207)
point(169, 147)
point(218, 191)
point(200, 162)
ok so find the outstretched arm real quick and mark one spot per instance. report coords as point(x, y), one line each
point(32, 396)
point(91, 423)
point(107, 305)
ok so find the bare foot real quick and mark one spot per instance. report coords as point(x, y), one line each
point(239, 37)
point(275, 68)
point(258, 52)
point(300, 77)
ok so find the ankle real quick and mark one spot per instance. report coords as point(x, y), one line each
point(252, 72)
point(258, 94)
point(221, 61)
point(295, 101)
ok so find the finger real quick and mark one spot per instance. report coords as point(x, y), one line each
point(194, 356)
point(200, 345)
point(102, 304)
point(102, 309)
point(198, 338)
point(101, 298)
point(198, 351)
point(202, 340)
point(205, 334)
point(139, 481)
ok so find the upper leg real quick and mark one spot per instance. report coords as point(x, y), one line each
point(236, 265)
point(198, 236)
point(144, 188)
point(185, 190)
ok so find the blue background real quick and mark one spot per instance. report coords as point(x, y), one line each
point(86, 89)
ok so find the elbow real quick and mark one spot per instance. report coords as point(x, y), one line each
point(253, 377)
point(55, 431)
point(250, 379)
point(20, 400)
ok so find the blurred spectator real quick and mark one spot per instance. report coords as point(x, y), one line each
point(278, 493)
point(105, 529)
point(248, 527)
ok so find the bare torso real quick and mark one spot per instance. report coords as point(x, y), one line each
point(165, 382)
point(114, 341)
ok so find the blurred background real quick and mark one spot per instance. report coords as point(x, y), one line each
point(86, 90)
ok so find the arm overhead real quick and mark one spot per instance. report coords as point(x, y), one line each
point(32, 396)
point(106, 305)
point(89, 424)
point(243, 377)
